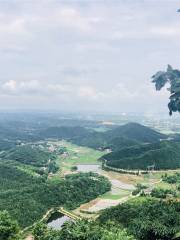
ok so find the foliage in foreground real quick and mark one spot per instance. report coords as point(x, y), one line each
point(141, 218)
point(162, 193)
point(8, 228)
point(27, 197)
point(171, 179)
point(146, 218)
point(82, 230)
point(171, 76)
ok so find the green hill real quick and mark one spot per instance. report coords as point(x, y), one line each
point(136, 132)
point(123, 136)
point(145, 218)
point(165, 155)
point(28, 197)
point(28, 154)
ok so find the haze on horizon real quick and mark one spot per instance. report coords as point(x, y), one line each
point(86, 55)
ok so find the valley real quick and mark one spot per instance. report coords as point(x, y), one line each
point(71, 171)
point(122, 184)
point(89, 120)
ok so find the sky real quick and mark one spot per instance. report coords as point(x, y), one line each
point(89, 55)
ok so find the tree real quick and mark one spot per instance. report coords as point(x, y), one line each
point(146, 218)
point(171, 76)
point(40, 231)
point(8, 228)
point(82, 230)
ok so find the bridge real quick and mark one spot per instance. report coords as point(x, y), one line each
point(62, 211)
point(69, 214)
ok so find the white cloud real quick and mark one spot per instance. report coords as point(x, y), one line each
point(88, 54)
point(87, 91)
point(58, 88)
point(70, 17)
point(166, 31)
point(34, 87)
point(9, 85)
point(13, 87)
point(12, 26)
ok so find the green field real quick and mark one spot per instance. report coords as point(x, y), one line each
point(110, 195)
point(76, 155)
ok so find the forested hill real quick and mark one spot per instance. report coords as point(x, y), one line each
point(165, 155)
point(28, 154)
point(137, 132)
point(123, 136)
point(27, 197)
point(145, 218)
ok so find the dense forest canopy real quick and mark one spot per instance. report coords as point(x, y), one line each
point(9, 228)
point(29, 154)
point(146, 218)
point(83, 230)
point(28, 197)
point(163, 155)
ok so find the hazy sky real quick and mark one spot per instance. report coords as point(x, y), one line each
point(93, 55)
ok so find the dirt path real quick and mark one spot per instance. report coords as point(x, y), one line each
point(118, 181)
point(106, 203)
point(30, 237)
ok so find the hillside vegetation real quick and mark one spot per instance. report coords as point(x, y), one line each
point(164, 155)
point(27, 197)
point(123, 136)
point(136, 132)
point(146, 218)
point(28, 154)
point(141, 219)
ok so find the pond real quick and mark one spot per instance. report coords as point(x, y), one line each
point(88, 168)
point(57, 220)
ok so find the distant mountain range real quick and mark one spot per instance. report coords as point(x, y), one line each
point(141, 142)
point(119, 137)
